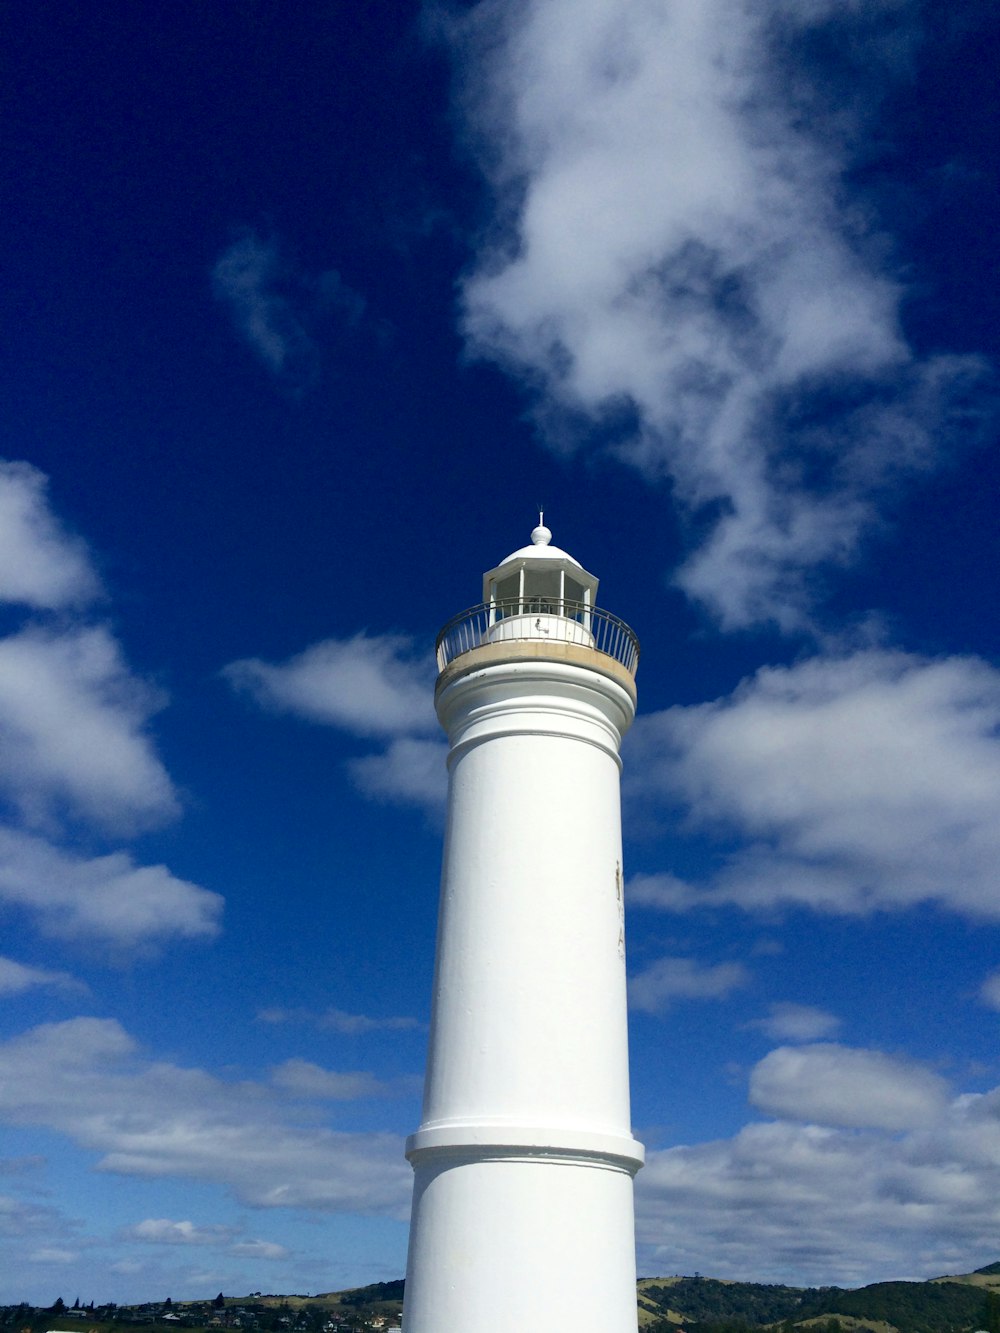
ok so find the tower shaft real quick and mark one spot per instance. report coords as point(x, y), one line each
point(523, 1213)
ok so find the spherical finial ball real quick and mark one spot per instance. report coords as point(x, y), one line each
point(541, 535)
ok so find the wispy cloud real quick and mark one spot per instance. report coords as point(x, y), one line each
point(21, 1217)
point(76, 749)
point(408, 772)
point(88, 1079)
point(856, 783)
point(165, 1231)
point(796, 1022)
point(17, 978)
point(108, 899)
point(337, 1020)
point(681, 274)
point(277, 307)
point(658, 986)
point(246, 277)
point(990, 991)
point(72, 719)
point(41, 565)
point(303, 1078)
point(369, 686)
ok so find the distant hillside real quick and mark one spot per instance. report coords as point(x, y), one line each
point(699, 1299)
point(705, 1305)
point(957, 1304)
point(982, 1277)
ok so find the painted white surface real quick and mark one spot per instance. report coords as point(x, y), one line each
point(558, 629)
point(504, 1245)
point(522, 1217)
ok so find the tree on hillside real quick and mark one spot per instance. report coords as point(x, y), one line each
point(990, 1317)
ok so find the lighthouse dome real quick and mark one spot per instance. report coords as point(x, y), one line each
point(541, 548)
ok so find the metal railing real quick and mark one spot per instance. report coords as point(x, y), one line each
point(544, 619)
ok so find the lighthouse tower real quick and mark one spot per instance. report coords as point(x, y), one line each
point(523, 1163)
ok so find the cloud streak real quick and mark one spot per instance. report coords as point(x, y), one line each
point(681, 275)
point(338, 1020)
point(165, 1231)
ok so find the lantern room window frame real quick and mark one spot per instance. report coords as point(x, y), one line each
point(510, 590)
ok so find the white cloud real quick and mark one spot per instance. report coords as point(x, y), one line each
point(74, 746)
point(656, 987)
point(104, 898)
point(337, 1020)
point(41, 565)
point(366, 685)
point(679, 267)
point(305, 1079)
point(370, 686)
point(665, 892)
point(990, 990)
point(86, 1078)
point(71, 731)
point(796, 1022)
point(841, 1085)
point(812, 1204)
point(16, 978)
point(856, 783)
point(408, 772)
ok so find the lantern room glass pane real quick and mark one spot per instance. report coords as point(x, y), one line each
point(574, 595)
point(543, 591)
point(506, 592)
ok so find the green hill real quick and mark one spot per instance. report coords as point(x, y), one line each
point(705, 1305)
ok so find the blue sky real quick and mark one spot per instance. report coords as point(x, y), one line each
point(306, 310)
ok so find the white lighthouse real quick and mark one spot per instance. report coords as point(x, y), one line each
point(522, 1207)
